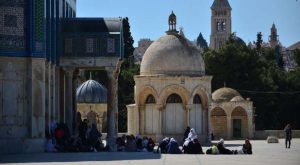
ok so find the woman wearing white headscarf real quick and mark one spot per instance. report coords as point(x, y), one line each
point(192, 135)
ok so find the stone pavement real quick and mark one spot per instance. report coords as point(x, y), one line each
point(264, 154)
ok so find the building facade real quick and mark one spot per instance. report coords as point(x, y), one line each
point(40, 54)
point(139, 51)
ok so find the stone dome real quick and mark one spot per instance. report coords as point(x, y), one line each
point(224, 94)
point(172, 54)
point(237, 98)
point(91, 92)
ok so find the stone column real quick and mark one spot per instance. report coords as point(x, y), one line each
point(69, 97)
point(209, 129)
point(141, 123)
point(250, 124)
point(112, 108)
point(159, 135)
point(228, 119)
point(56, 93)
point(188, 110)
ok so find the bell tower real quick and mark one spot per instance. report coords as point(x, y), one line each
point(273, 38)
point(172, 23)
point(220, 23)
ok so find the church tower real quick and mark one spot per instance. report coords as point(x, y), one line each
point(220, 23)
point(273, 38)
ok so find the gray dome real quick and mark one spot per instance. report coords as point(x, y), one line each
point(172, 54)
point(239, 40)
point(224, 94)
point(91, 92)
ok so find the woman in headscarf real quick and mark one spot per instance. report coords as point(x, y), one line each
point(192, 135)
point(247, 147)
point(173, 148)
point(189, 141)
point(163, 145)
point(222, 149)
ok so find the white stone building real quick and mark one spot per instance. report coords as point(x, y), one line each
point(173, 92)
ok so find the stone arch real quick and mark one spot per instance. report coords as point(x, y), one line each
point(144, 93)
point(200, 90)
point(150, 99)
point(173, 89)
point(239, 122)
point(218, 122)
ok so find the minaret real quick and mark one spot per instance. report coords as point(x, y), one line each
point(273, 38)
point(220, 23)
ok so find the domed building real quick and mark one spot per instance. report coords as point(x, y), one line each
point(91, 99)
point(172, 91)
point(231, 116)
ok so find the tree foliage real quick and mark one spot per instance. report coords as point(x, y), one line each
point(257, 76)
point(296, 53)
point(126, 81)
point(258, 41)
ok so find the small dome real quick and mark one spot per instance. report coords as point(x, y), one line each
point(239, 40)
point(224, 94)
point(172, 54)
point(91, 92)
point(237, 98)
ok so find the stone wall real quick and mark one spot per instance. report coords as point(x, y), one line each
point(219, 126)
point(22, 105)
point(278, 133)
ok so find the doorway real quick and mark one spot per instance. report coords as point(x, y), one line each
point(237, 128)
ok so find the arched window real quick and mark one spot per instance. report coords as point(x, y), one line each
point(174, 98)
point(218, 26)
point(150, 99)
point(223, 26)
point(197, 99)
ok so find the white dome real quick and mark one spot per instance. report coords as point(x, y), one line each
point(172, 54)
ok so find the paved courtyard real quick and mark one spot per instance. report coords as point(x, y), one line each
point(264, 154)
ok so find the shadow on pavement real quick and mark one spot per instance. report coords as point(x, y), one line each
point(77, 157)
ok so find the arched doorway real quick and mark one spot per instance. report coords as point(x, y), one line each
point(174, 116)
point(239, 123)
point(196, 114)
point(151, 116)
point(219, 123)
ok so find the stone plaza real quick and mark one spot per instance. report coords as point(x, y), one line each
point(263, 154)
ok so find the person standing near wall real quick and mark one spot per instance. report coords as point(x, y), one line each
point(288, 135)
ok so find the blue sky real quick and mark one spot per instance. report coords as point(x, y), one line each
point(148, 18)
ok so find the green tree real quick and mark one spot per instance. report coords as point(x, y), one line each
point(296, 53)
point(126, 81)
point(256, 75)
point(258, 41)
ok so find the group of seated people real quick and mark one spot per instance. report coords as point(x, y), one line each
point(130, 143)
point(221, 149)
point(191, 145)
point(88, 138)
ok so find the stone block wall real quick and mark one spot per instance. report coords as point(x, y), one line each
point(219, 126)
